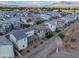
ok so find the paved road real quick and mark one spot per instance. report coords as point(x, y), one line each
point(46, 48)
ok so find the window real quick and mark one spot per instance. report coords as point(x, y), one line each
point(28, 43)
point(29, 20)
point(0, 25)
point(38, 31)
point(34, 40)
point(31, 42)
point(24, 39)
point(27, 34)
point(51, 25)
point(23, 45)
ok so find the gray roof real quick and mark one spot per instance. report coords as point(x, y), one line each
point(41, 27)
point(20, 34)
point(28, 29)
point(4, 41)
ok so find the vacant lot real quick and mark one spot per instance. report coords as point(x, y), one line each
point(71, 40)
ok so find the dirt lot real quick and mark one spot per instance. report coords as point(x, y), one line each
point(71, 40)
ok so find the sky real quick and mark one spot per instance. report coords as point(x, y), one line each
point(26, 3)
point(38, 3)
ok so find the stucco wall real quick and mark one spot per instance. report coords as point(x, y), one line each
point(20, 44)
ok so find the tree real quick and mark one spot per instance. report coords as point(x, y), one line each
point(59, 10)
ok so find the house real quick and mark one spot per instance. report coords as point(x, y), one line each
point(27, 20)
point(16, 23)
point(54, 14)
point(22, 38)
point(41, 30)
point(5, 26)
point(51, 25)
point(30, 15)
point(71, 17)
point(6, 48)
point(45, 17)
point(61, 22)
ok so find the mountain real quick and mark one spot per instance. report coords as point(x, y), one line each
point(65, 3)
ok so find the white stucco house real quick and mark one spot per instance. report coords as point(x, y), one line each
point(21, 38)
point(6, 48)
point(51, 25)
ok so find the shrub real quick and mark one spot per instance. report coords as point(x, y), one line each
point(48, 35)
point(73, 40)
point(61, 35)
point(28, 51)
point(57, 30)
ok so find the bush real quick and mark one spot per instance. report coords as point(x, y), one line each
point(57, 30)
point(35, 46)
point(48, 35)
point(61, 35)
point(28, 51)
point(73, 40)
